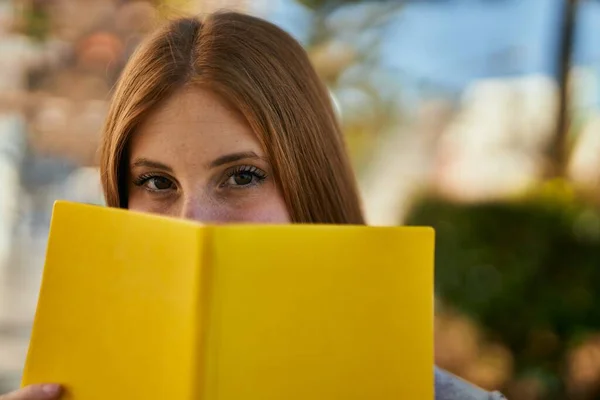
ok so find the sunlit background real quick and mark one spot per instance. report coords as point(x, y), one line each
point(478, 117)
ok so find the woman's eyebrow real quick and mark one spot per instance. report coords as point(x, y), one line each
point(233, 157)
point(144, 162)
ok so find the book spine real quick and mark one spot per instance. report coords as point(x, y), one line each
point(205, 359)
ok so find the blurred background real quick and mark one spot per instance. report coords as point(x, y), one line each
point(478, 117)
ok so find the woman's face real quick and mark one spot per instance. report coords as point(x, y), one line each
point(198, 159)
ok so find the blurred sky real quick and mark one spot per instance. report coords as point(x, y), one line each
point(445, 44)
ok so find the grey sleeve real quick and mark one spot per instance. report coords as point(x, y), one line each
point(450, 387)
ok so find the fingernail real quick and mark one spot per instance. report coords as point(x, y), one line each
point(51, 389)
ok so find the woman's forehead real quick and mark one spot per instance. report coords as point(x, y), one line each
point(195, 123)
point(194, 105)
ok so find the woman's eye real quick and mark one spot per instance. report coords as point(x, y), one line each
point(244, 177)
point(158, 183)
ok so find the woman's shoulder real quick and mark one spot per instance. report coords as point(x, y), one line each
point(451, 387)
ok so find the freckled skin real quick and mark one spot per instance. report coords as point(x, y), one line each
point(170, 164)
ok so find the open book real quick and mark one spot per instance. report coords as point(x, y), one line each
point(135, 306)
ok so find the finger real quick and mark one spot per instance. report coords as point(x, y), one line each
point(34, 392)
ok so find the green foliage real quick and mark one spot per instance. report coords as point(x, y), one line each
point(320, 4)
point(524, 270)
point(37, 23)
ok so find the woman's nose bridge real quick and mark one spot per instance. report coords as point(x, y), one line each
point(200, 207)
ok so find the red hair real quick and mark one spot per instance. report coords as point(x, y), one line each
point(265, 74)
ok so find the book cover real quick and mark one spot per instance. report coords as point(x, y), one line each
point(136, 306)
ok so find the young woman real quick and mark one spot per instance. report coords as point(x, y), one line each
point(224, 120)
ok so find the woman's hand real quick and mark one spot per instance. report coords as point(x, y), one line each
point(35, 392)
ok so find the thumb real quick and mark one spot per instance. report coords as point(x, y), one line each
point(35, 392)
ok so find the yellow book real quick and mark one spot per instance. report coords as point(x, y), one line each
point(135, 306)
